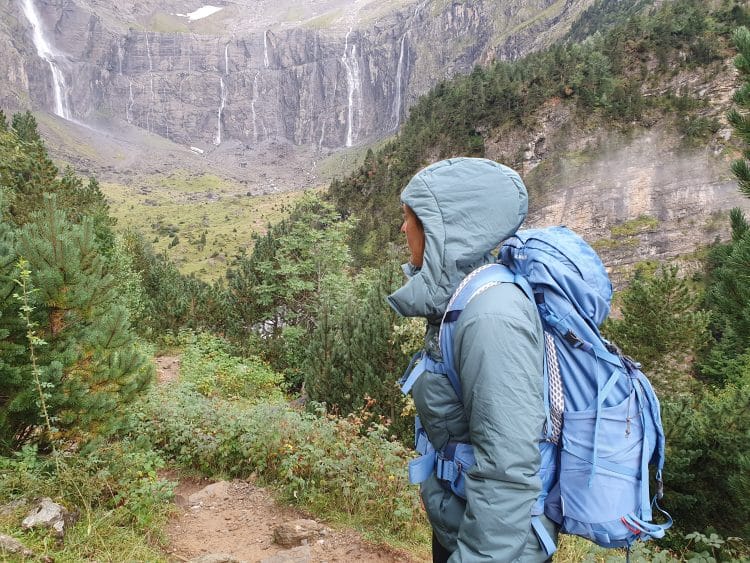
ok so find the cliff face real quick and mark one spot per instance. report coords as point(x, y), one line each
point(331, 78)
point(639, 193)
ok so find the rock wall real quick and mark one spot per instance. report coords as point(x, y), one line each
point(327, 87)
point(637, 193)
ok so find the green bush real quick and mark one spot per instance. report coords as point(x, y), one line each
point(208, 365)
point(339, 468)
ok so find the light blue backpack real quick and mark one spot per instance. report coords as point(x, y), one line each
point(603, 427)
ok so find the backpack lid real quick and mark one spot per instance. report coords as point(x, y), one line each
point(559, 262)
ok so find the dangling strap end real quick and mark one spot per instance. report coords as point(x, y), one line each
point(545, 540)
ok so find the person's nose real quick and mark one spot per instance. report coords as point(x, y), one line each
point(403, 227)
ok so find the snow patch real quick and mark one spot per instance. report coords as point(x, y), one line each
point(200, 13)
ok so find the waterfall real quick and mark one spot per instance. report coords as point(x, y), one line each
point(45, 51)
point(131, 101)
point(217, 139)
point(265, 49)
point(151, 84)
point(252, 105)
point(226, 58)
point(354, 89)
point(399, 75)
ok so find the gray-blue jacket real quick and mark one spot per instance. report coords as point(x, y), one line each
point(467, 207)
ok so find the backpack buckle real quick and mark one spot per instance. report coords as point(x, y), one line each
point(572, 339)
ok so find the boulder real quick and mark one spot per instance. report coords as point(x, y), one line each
point(213, 491)
point(47, 514)
point(296, 532)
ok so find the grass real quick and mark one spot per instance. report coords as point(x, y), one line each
point(168, 23)
point(324, 21)
point(102, 538)
point(213, 219)
point(550, 12)
point(344, 162)
point(634, 227)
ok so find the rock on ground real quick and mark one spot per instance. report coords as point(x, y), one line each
point(9, 544)
point(290, 534)
point(47, 514)
point(301, 554)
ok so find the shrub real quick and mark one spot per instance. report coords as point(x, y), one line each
point(337, 467)
point(208, 365)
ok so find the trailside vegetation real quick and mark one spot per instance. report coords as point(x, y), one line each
point(86, 361)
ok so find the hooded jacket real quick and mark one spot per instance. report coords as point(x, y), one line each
point(467, 207)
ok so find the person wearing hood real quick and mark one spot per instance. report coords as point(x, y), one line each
point(456, 212)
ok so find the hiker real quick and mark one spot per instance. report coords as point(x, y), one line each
point(455, 213)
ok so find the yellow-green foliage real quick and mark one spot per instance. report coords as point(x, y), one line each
point(208, 365)
point(213, 218)
point(626, 234)
point(634, 227)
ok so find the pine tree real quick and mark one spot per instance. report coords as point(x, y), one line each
point(281, 282)
point(740, 119)
point(13, 356)
point(351, 356)
point(90, 365)
point(661, 326)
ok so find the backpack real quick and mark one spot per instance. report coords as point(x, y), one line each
point(603, 425)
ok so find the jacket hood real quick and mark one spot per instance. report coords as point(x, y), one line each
point(467, 206)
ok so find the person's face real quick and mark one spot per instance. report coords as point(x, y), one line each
point(412, 228)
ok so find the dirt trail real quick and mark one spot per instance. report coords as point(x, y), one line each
point(237, 519)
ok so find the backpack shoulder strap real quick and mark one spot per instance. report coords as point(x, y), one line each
point(473, 285)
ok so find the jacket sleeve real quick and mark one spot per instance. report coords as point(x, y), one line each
point(499, 359)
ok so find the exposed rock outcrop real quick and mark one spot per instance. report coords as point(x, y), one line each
point(334, 79)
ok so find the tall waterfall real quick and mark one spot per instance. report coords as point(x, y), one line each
point(226, 58)
point(399, 77)
point(45, 51)
point(265, 49)
point(131, 101)
point(252, 105)
point(150, 84)
point(354, 89)
point(217, 139)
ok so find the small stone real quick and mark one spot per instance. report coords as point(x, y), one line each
point(12, 545)
point(47, 514)
point(297, 555)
